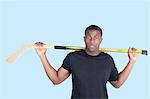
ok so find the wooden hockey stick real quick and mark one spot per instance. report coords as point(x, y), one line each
point(23, 49)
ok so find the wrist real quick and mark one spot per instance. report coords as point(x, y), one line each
point(42, 55)
point(132, 60)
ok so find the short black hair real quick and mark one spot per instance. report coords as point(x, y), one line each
point(93, 27)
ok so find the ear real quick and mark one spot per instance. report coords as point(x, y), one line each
point(84, 38)
point(101, 40)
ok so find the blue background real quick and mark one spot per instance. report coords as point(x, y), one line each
point(62, 22)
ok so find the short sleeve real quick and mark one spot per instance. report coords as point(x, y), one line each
point(114, 72)
point(66, 63)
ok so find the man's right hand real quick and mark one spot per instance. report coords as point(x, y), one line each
point(40, 51)
point(56, 76)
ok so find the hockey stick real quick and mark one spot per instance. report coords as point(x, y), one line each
point(23, 49)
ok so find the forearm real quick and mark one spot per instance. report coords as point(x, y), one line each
point(50, 71)
point(123, 75)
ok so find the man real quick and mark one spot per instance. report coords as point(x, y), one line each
point(91, 69)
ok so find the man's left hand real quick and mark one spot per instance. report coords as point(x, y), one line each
point(132, 54)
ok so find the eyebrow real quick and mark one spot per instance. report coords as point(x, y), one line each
point(94, 35)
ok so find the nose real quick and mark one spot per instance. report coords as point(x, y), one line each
point(92, 40)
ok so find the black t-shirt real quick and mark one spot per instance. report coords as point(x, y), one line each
point(90, 74)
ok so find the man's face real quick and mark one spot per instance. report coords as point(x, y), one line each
point(92, 40)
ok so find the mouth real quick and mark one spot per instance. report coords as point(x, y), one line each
point(92, 46)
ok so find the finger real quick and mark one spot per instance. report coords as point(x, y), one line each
point(37, 43)
point(134, 49)
point(134, 52)
point(40, 44)
point(130, 50)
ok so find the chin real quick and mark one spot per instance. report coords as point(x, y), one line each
point(92, 50)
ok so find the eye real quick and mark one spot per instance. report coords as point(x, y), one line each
point(88, 37)
point(96, 37)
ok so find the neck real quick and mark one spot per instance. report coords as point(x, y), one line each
point(93, 53)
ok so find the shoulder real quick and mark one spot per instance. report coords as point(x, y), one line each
point(106, 55)
point(75, 53)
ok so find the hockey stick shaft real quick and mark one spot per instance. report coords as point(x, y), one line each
point(23, 49)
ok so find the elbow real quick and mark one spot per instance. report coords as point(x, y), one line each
point(117, 86)
point(56, 83)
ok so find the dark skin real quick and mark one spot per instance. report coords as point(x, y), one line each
point(92, 41)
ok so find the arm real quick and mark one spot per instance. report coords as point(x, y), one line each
point(123, 75)
point(56, 76)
